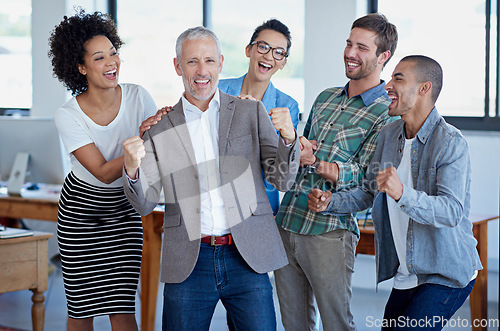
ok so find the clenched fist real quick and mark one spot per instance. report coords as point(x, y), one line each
point(388, 182)
point(133, 152)
point(319, 200)
point(307, 148)
point(282, 121)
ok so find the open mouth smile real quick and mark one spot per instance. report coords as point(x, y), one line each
point(111, 74)
point(265, 67)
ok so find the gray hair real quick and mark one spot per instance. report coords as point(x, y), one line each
point(198, 32)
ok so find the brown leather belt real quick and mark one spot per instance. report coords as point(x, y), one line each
point(217, 241)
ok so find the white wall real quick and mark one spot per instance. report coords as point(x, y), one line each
point(327, 26)
point(484, 150)
point(48, 92)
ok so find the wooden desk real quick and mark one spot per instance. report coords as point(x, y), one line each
point(17, 207)
point(24, 265)
point(150, 269)
point(40, 209)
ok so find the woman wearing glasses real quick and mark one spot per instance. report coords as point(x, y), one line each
point(268, 50)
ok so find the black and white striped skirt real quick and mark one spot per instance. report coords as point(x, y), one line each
point(100, 241)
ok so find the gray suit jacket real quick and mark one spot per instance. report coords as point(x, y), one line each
point(247, 143)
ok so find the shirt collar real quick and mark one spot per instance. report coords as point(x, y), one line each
point(214, 104)
point(370, 95)
point(428, 126)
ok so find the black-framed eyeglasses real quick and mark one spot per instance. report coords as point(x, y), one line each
point(264, 48)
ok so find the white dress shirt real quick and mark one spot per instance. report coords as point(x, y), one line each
point(203, 130)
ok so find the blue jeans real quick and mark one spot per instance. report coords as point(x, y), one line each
point(426, 307)
point(219, 274)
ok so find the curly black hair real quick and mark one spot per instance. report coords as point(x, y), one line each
point(67, 49)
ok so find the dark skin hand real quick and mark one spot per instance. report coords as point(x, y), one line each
point(149, 122)
point(318, 200)
point(388, 182)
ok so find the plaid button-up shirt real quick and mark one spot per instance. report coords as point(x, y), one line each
point(346, 131)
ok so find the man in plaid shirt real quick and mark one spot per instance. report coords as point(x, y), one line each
point(339, 140)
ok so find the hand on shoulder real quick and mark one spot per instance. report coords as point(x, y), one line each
point(149, 122)
point(246, 96)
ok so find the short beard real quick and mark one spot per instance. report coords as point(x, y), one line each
point(192, 91)
point(369, 69)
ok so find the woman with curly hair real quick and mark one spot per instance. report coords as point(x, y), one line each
point(99, 233)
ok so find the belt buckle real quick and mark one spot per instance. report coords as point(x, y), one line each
point(212, 241)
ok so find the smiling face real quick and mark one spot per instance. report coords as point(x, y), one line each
point(101, 63)
point(360, 55)
point(263, 66)
point(403, 89)
point(199, 67)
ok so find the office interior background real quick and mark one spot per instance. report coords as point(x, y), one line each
point(461, 35)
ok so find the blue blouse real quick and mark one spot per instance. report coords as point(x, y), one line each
point(273, 98)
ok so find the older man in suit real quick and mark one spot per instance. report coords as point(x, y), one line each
point(220, 238)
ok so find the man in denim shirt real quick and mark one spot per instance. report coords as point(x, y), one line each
point(419, 184)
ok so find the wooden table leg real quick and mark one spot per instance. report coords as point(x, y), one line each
point(150, 272)
point(479, 295)
point(37, 310)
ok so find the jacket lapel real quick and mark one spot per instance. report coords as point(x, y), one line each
point(226, 114)
point(178, 121)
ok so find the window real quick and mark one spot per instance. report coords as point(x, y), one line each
point(456, 42)
point(149, 30)
point(15, 54)
point(453, 34)
point(234, 26)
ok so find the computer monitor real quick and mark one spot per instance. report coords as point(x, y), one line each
point(47, 162)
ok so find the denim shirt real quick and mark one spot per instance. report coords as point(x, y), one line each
point(440, 246)
point(272, 97)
